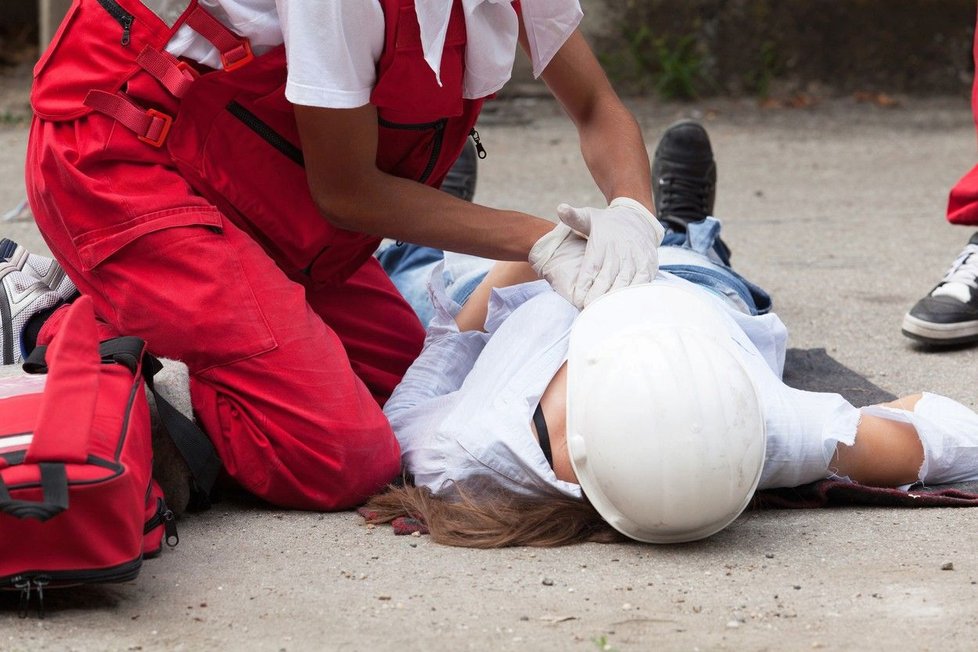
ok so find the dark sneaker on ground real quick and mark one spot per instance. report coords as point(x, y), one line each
point(949, 314)
point(29, 284)
point(684, 175)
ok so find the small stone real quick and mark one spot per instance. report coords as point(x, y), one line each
point(769, 555)
point(627, 606)
point(733, 624)
point(947, 565)
point(415, 534)
point(547, 581)
point(383, 597)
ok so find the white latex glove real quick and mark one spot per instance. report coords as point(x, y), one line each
point(557, 257)
point(621, 248)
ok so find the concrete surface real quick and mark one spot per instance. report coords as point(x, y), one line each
point(838, 210)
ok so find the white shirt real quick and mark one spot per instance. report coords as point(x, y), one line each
point(464, 407)
point(463, 411)
point(333, 46)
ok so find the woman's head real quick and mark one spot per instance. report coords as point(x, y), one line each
point(664, 425)
point(476, 516)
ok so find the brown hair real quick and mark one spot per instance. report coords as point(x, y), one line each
point(494, 518)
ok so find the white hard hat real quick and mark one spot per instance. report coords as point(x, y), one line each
point(664, 425)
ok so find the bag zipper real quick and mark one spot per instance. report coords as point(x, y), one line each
point(35, 581)
point(164, 517)
point(265, 132)
point(123, 17)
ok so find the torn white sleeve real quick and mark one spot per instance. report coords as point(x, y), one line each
point(948, 432)
point(803, 431)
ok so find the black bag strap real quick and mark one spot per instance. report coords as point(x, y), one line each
point(194, 446)
point(54, 500)
point(126, 350)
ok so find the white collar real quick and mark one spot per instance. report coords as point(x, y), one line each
point(492, 30)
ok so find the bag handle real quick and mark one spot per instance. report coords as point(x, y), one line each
point(54, 488)
point(194, 446)
point(60, 434)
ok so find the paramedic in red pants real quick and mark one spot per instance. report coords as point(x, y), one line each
point(225, 206)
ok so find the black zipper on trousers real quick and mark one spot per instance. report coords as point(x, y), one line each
point(266, 133)
point(438, 126)
point(123, 17)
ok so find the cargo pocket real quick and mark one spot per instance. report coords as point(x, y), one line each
point(94, 48)
point(175, 279)
point(407, 69)
point(245, 157)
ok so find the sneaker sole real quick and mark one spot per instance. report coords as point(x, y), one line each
point(940, 334)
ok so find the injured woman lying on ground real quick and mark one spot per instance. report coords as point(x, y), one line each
point(653, 414)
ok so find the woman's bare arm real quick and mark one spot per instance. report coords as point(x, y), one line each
point(472, 316)
point(886, 453)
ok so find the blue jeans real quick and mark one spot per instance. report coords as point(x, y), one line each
point(698, 256)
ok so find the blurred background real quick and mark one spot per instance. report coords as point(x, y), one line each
point(786, 52)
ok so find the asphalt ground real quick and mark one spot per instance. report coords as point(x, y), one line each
point(838, 210)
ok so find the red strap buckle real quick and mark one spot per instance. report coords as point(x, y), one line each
point(237, 57)
point(187, 70)
point(158, 129)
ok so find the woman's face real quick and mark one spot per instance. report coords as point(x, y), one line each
point(554, 405)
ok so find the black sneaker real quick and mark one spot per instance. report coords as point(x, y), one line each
point(684, 175)
point(949, 314)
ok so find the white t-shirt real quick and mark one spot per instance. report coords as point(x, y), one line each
point(333, 46)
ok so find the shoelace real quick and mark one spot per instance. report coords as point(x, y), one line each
point(684, 196)
point(964, 269)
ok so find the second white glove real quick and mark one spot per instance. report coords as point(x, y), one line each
point(621, 249)
point(557, 258)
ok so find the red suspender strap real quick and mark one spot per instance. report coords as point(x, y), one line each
point(235, 50)
point(175, 75)
point(149, 125)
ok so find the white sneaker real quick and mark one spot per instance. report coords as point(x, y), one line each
point(29, 284)
point(949, 313)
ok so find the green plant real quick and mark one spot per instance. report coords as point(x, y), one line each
point(758, 80)
point(601, 642)
point(679, 67)
point(9, 118)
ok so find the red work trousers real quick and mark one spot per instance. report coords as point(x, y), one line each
point(962, 205)
point(288, 373)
